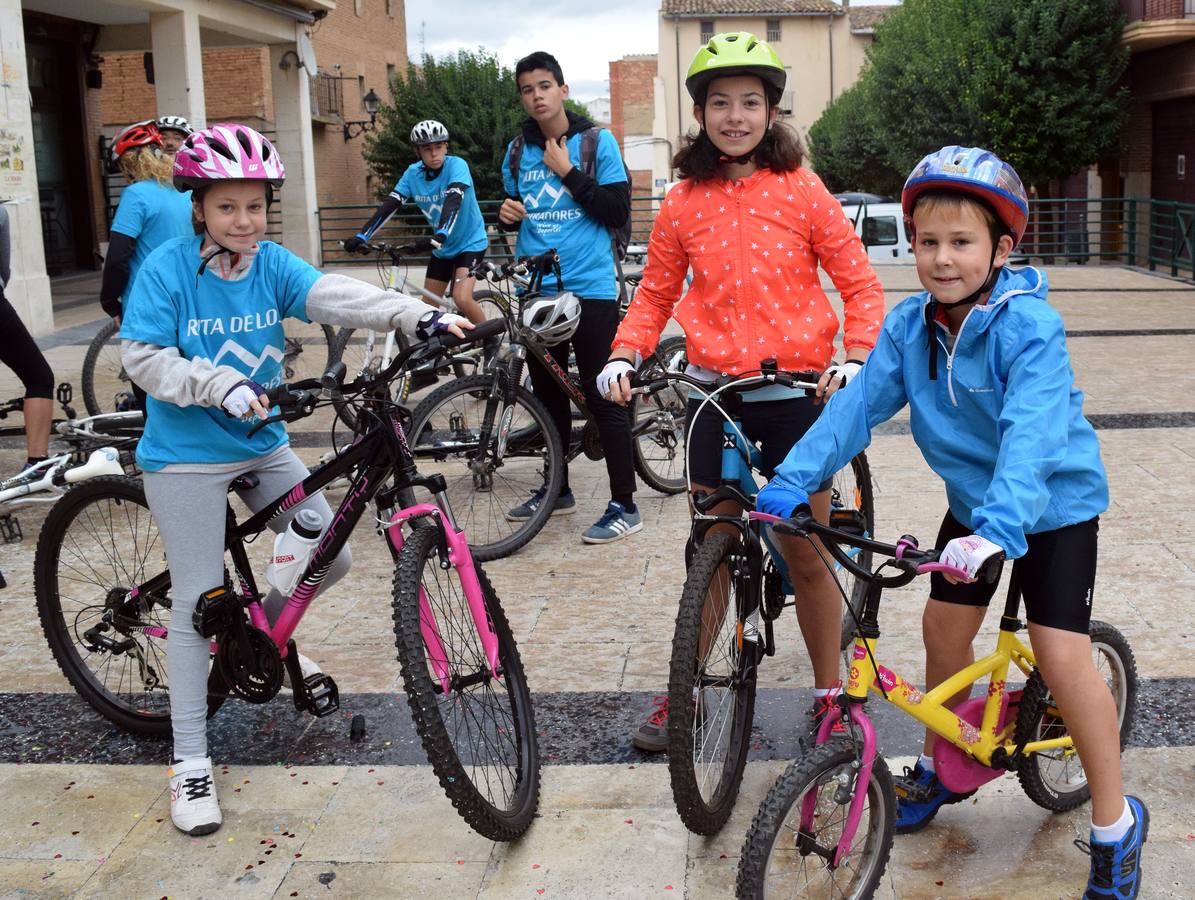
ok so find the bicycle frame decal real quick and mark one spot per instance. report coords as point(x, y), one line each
point(549, 361)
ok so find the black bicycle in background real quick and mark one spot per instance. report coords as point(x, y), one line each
point(494, 439)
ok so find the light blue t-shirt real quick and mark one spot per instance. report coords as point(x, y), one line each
point(227, 323)
point(466, 232)
point(556, 221)
point(151, 214)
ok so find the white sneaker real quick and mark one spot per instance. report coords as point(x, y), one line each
point(193, 805)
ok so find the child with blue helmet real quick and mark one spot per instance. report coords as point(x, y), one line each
point(980, 358)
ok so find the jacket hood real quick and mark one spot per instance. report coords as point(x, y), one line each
point(1011, 283)
point(532, 135)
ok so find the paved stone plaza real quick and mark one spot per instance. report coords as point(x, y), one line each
point(308, 813)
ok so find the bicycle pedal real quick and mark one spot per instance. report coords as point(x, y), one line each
point(319, 695)
point(216, 612)
point(10, 529)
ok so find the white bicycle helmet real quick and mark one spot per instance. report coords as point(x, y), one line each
point(553, 319)
point(175, 123)
point(429, 131)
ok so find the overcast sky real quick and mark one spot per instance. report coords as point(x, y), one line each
point(583, 34)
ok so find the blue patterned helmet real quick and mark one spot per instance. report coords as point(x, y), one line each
point(974, 171)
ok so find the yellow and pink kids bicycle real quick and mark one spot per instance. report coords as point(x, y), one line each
point(826, 827)
point(103, 596)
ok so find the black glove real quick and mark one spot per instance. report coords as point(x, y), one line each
point(353, 244)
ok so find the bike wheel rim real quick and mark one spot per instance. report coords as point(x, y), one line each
point(789, 874)
point(110, 543)
point(480, 720)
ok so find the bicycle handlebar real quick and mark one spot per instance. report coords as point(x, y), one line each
point(729, 385)
point(524, 265)
point(905, 554)
point(297, 400)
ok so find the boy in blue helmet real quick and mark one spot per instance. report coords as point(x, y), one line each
point(980, 358)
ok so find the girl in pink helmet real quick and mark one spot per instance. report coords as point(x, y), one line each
point(202, 333)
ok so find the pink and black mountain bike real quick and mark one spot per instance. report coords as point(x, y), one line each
point(103, 595)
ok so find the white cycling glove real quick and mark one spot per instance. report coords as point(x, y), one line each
point(846, 371)
point(969, 553)
point(238, 401)
point(436, 322)
point(614, 370)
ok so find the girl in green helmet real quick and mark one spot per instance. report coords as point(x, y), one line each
point(752, 224)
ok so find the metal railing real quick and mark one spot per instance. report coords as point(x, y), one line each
point(336, 223)
point(1158, 234)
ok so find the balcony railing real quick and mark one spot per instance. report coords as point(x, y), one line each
point(1143, 10)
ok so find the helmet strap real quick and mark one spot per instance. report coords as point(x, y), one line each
point(986, 287)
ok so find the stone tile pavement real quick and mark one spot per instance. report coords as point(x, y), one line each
point(594, 626)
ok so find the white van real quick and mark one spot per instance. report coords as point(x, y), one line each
point(881, 226)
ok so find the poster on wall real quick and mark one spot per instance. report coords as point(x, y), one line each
point(14, 121)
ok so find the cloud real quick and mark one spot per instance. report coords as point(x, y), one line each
point(585, 40)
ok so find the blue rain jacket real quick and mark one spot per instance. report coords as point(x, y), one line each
point(1002, 423)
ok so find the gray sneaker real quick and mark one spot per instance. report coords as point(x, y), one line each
point(615, 524)
point(565, 504)
point(652, 734)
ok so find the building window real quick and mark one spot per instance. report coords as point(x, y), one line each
point(359, 7)
point(773, 30)
point(707, 31)
point(390, 8)
point(391, 73)
point(327, 99)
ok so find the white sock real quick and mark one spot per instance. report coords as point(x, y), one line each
point(1110, 834)
point(818, 693)
point(927, 762)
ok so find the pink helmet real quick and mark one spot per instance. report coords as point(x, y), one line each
point(225, 152)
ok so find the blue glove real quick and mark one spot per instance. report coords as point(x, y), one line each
point(779, 499)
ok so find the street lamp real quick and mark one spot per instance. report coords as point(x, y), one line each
point(371, 102)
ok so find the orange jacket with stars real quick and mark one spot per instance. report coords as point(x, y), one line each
point(754, 246)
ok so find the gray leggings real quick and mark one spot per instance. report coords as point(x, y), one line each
point(189, 509)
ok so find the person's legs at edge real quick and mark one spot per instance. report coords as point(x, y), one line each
point(19, 352)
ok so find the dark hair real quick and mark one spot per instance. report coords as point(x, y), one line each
point(956, 200)
point(780, 151)
point(539, 60)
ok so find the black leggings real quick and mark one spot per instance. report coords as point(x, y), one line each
point(19, 352)
point(591, 344)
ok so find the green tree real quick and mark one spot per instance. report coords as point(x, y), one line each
point(1036, 81)
point(475, 97)
point(845, 146)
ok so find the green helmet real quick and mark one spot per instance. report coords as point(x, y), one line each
point(733, 53)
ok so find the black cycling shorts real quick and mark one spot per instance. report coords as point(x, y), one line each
point(1056, 574)
point(19, 352)
point(444, 269)
point(776, 425)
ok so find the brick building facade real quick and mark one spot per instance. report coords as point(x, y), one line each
point(1159, 156)
point(632, 107)
point(357, 48)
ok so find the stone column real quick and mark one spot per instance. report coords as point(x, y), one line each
point(178, 66)
point(29, 288)
point(292, 118)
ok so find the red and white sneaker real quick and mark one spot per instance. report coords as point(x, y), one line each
point(193, 805)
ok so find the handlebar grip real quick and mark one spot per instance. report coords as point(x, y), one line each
point(334, 377)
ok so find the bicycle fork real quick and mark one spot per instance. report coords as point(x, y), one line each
point(859, 721)
point(460, 558)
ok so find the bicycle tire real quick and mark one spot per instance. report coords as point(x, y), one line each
point(444, 429)
point(97, 546)
point(103, 380)
point(1054, 779)
point(659, 450)
point(853, 500)
point(504, 720)
point(762, 851)
point(705, 779)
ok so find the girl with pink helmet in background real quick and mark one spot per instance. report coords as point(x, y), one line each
point(202, 333)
